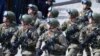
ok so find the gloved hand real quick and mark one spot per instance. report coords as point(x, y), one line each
point(38, 52)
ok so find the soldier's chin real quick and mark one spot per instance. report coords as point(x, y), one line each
point(29, 13)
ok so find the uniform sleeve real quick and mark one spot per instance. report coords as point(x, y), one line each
point(14, 37)
point(39, 42)
point(90, 14)
point(63, 44)
point(64, 26)
point(35, 35)
point(42, 28)
point(37, 23)
point(82, 36)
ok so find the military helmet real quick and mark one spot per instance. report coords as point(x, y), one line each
point(27, 18)
point(73, 12)
point(86, 2)
point(96, 17)
point(9, 15)
point(54, 13)
point(34, 7)
point(54, 22)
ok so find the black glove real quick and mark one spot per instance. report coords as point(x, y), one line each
point(14, 46)
point(38, 52)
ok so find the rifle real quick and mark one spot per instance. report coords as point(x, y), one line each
point(6, 37)
point(49, 44)
point(71, 31)
point(18, 41)
point(93, 34)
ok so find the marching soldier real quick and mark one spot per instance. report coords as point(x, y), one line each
point(86, 46)
point(71, 29)
point(73, 13)
point(7, 28)
point(55, 42)
point(53, 14)
point(37, 15)
point(26, 36)
point(91, 35)
point(86, 15)
point(87, 11)
point(96, 41)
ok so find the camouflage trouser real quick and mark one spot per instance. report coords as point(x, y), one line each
point(73, 49)
point(27, 53)
point(96, 52)
point(87, 50)
point(7, 52)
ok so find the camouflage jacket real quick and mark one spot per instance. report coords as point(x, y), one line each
point(6, 34)
point(85, 32)
point(87, 14)
point(71, 34)
point(27, 38)
point(59, 44)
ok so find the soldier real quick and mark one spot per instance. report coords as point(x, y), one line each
point(33, 11)
point(7, 28)
point(53, 14)
point(73, 15)
point(87, 11)
point(86, 46)
point(96, 41)
point(37, 18)
point(55, 42)
point(26, 36)
point(86, 16)
point(71, 29)
point(91, 35)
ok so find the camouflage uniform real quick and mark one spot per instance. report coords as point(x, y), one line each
point(73, 38)
point(84, 46)
point(86, 15)
point(6, 33)
point(55, 42)
point(33, 11)
point(71, 30)
point(53, 14)
point(93, 35)
point(26, 36)
point(87, 12)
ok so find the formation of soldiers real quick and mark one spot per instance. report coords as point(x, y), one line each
point(36, 36)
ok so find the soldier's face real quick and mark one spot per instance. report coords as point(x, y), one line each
point(30, 11)
point(6, 21)
point(49, 15)
point(23, 23)
point(84, 6)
